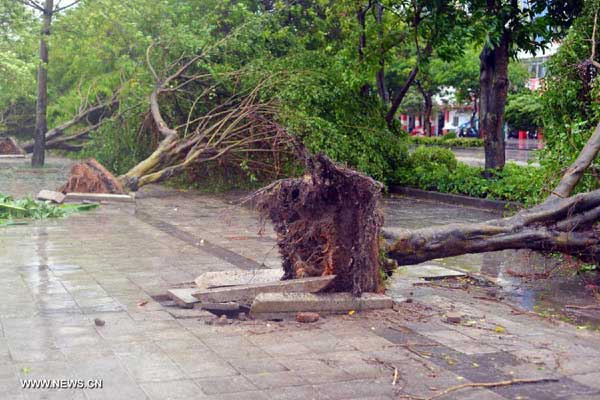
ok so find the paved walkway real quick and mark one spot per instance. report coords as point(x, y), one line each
point(117, 262)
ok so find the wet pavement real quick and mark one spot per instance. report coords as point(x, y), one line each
point(19, 179)
point(116, 263)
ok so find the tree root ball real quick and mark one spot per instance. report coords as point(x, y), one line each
point(328, 222)
point(9, 146)
point(91, 177)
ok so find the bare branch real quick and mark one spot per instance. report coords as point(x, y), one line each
point(32, 4)
point(574, 173)
point(58, 9)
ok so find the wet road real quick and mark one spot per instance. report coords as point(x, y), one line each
point(518, 151)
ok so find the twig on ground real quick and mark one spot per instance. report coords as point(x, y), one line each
point(588, 307)
point(481, 385)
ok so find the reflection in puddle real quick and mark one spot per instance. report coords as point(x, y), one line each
point(518, 272)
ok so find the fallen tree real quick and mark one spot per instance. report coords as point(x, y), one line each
point(328, 222)
point(234, 129)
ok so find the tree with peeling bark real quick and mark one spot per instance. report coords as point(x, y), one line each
point(48, 10)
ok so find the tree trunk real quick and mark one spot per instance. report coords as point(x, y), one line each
point(362, 42)
point(494, 88)
point(98, 114)
point(427, 109)
point(475, 110)
point(391, 114)
point(39, 148)
point(380, 76)
point(565, 225)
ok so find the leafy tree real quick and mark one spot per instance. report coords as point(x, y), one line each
point(570, 109)
point(17, 66)
point(510, 26)
point(524, 110)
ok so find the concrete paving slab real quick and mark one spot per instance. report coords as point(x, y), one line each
point(278, 305)
point(50, 195)
point(216, 279)
point(429, 271)
point(75, 197)
point(183, 297)
point(249, 292)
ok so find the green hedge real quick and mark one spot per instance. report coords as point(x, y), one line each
point(446, 141)
point(436, 168)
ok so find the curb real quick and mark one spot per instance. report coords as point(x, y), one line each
point(456, 199)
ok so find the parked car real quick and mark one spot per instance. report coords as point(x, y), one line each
point(468, 130)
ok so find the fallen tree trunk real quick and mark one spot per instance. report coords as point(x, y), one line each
point(234, 129)
point(94, 115)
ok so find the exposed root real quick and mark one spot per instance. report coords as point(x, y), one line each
point(91, 177)
point(328, 222)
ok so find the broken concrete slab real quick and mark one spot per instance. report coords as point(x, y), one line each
point(75, 197)
point(282, 305)
point(248, 292)
point(183, 297)
point(454, 317)
point(216, 279)
point(50, 195)
point(430, 271)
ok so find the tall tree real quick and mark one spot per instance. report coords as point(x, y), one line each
point(510, 26)
point(48, 10)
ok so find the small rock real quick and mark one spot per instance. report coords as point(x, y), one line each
point(99, 322)
point(307, 317)
point(409, 300)
point(222, 320)
point(242, 316)
point(454, 317)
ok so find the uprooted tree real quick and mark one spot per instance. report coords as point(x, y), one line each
point(329, 221)
point(237, 127)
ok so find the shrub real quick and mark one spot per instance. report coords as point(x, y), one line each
point(446, 141)
point(432, 157)
point(431, 168)
point(449, 135)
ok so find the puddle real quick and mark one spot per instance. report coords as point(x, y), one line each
point(530, 280)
